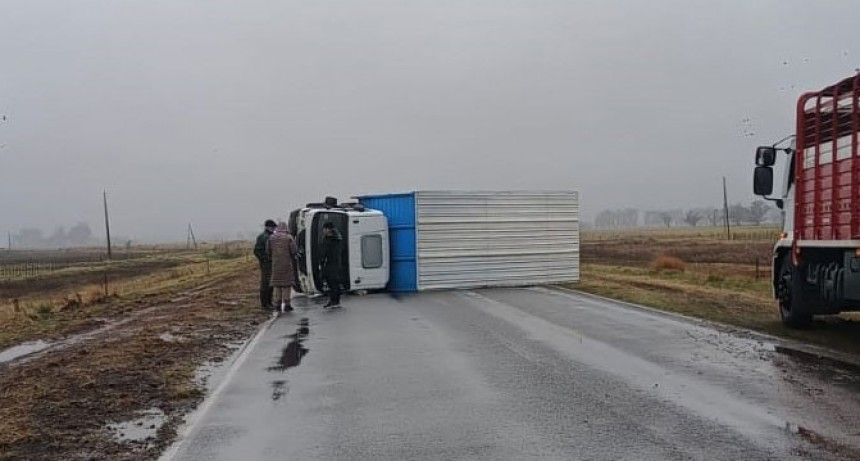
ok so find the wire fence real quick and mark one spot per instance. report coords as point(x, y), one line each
point(742, 233)
point(32, 264)
point(31, 268)
point(35, 264)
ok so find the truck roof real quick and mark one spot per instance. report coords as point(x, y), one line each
point(842, 87)
point(466, 192)
point(347, 211)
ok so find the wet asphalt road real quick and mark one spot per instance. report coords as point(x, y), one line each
point(516, 374)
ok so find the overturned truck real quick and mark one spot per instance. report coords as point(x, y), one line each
point(426, 240)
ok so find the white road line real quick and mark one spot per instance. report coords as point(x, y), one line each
point(198, 415)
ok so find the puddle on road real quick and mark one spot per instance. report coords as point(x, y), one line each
point(292, 353)
point(291, 356)
point(141, 429)
point(22, 350)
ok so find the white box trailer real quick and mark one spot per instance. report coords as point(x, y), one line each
point(468, 239)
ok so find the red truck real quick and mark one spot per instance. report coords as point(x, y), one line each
point(816, 262)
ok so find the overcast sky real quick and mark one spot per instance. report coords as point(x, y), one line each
point(224, 113)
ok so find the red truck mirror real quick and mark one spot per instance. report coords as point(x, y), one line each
point(765, 156)
point(763, 181)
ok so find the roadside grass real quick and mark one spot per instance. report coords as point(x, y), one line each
point(699, 273)
point(54, 313)
point(62, 404)
point(733, 300)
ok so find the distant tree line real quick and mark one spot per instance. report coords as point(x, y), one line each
point(756, 213)
point(78, 235)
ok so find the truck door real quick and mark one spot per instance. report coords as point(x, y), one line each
point(368, 247)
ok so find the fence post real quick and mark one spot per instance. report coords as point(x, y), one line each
point(756, 269)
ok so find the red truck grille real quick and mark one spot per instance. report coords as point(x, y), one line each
point(828, 179)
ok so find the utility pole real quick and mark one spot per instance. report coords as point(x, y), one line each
point(726, 209)
point(107, 228)
point(9, 233)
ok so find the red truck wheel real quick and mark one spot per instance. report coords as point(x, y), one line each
point(793, 309)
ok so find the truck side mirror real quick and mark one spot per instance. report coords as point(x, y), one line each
point(763, 181)
point(765, 156)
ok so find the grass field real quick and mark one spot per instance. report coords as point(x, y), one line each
point(88, 289)
point(726, 281)
point(113, 359)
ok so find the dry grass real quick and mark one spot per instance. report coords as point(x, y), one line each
point(709, 233)
point(730, 300)
point(58, 406)
point(719, 282)
point(76, 307)
point(667, 263)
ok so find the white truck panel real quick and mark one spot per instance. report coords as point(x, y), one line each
point(496, 238)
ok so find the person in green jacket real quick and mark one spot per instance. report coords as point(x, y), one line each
point(265, 264)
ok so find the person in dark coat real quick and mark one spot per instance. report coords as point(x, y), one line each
point(332, 263)
point(260, 251)
point(282, 251)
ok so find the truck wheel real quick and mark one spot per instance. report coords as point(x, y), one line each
point(789, 291)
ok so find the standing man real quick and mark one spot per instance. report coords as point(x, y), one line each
point(260, 251)
point(332, 248)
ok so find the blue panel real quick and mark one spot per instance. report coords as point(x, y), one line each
point(400, 211)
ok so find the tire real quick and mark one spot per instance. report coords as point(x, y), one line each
point(793, 308)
